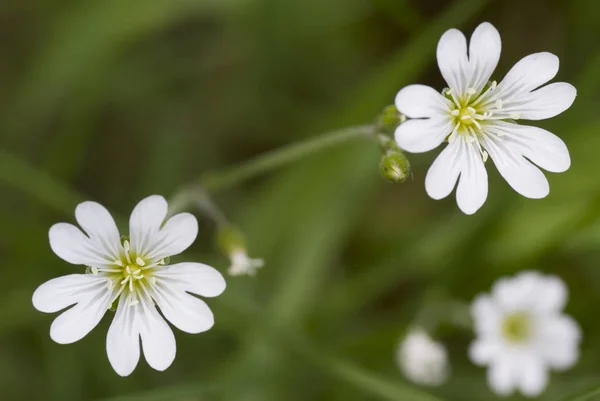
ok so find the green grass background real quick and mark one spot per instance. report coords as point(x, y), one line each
point(113, 100)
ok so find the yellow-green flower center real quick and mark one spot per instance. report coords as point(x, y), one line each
point(517, 327)
point(466, 116)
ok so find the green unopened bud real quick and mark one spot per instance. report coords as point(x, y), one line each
point(230, 239)
point(389, 119)
point(233, 245)
point(394, 167)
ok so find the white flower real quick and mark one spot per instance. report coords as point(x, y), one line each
point(241, 264)
point(422, 360)
point(134, 275)
point(522, 333)
point(478, 118)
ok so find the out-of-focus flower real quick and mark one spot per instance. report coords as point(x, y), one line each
point(478, 119)
point(232, 242)
point(241, 264)
point(422, 360)
point(133, 274)
point(522, 333)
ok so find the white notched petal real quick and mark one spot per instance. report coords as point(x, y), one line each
point(145, 222)
point(183, 310)
point(546, 102)
point(77, 322)
point(484, 52)
point(123, 340)
point(521, 175)
point(443, 173)
point(534, 376)
point(472, 189)
point(196, 278)
point(70, 244)
point(484, 351)
point(500, 376)
point(452, 59)
point(486, 315)
point(100, 226)
point(538, 145)
point(551, 294)
point(560, 338)
point(528, 74)
point(158, 341)
point(418, 136)
point(56, 294)
point(178, 233)
point(420, 101)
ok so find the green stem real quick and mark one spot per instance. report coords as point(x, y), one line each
point(217, 181)
point(360, 378)
point(585, 396)
point(37, 184)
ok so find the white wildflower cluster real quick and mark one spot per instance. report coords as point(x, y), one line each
point(521, 330)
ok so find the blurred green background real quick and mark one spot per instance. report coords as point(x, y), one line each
point(113, 100)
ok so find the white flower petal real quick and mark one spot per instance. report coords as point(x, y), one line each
point(528, 74)
point(145, 222)
point(443, 173)
point(100, 227)
point(56, 294)
point(534, 376)
point(178, 233)
point(183, 310)
point(521, 175)
point(196, 278)
point(502, 376)
point(77, 322)
point(538, 145)
point(551, 294)
point(486, 315)
point(418, 136)
point(483, 352)
point(452, 59)
point(70, 244)
point(419, 101)
point(472, 189)
point(158, 341)
point(484, 53)
point(546, 102)
point(123, 340)
point(560, 338)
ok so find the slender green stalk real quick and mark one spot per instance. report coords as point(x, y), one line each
point(183, 392)
point(37, 184)
point(216, 181)
point(585, 396)
point(360, 378)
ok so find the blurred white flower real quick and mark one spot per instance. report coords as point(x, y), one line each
point(133, 274)
point(422, 360)
point(522, 333)
point(478, 119)
point(241, 264)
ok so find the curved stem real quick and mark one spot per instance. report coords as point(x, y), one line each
point(37, 184)
point(219, 180)
point(585, 396)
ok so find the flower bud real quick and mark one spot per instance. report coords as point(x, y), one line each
point(394, 166)
point(230, 238)
point(422, 360)
point(233, 244)
point(389, 119)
